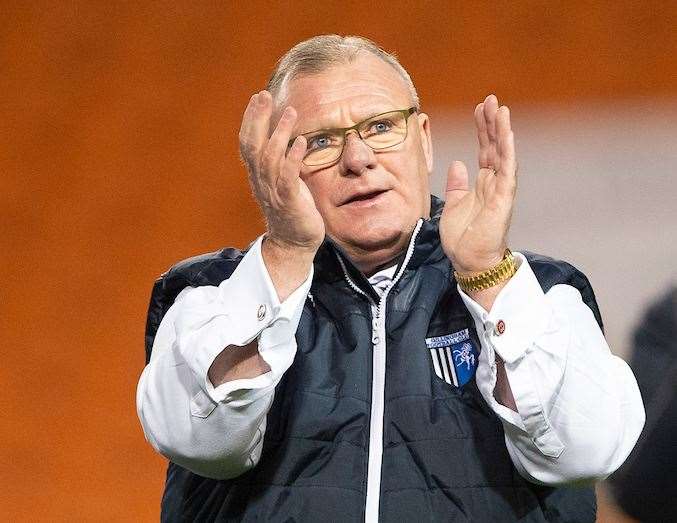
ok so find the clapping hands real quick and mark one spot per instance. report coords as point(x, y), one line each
point(475, 221)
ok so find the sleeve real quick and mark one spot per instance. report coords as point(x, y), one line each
point(217, 432)
point(579, 410)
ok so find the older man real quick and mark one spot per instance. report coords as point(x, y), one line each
point(378, 354)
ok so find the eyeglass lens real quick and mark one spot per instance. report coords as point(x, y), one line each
point(378, 132)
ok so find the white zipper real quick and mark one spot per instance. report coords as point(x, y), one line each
point(378, 380)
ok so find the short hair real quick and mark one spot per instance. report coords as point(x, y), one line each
point(319, 53)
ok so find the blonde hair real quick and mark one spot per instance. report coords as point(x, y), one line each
point(319, 53)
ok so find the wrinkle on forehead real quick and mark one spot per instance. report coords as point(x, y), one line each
point(346, 94)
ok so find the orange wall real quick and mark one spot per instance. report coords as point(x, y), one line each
point(118, 156)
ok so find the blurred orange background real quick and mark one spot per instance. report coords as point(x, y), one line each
point(118, 157)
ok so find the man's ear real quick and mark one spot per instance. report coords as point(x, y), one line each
point(426, 140)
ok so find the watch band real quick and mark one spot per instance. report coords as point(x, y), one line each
point(483, 280)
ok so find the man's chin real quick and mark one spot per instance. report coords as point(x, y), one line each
point(373, 240)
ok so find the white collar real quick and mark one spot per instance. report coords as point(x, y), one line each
point(382, 279)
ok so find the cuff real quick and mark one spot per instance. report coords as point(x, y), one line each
point(518, 316)
point(277, 347)
point(240, 309)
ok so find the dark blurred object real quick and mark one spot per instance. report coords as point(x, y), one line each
point(646, 485)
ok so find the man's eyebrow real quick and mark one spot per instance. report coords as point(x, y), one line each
point(318, 129)
point(362, 118)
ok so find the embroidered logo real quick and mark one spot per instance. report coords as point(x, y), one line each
point(464, 355)
point(454, 357)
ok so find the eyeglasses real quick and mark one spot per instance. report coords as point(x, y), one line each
point(379, 132)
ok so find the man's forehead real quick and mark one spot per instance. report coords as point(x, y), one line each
point(347, 93)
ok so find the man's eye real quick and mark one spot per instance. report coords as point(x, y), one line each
point(380, 126)
point(318, 142)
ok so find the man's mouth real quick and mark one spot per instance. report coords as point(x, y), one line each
point(364, 198)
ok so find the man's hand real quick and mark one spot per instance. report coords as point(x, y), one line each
point(475, 222)
point(295, 227)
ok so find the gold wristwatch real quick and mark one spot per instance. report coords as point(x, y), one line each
point(483, 280)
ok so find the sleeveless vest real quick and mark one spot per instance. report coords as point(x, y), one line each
point(444, 455)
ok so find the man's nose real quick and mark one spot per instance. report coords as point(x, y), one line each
point(357, 156)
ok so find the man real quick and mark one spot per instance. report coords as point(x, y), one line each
point(645, 487)
point(377, 354)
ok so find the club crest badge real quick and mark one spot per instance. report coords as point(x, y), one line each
point(454, 357)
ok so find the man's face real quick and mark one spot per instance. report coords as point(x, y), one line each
point(370, 201)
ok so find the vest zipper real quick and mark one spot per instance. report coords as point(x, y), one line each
point(378, 341)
